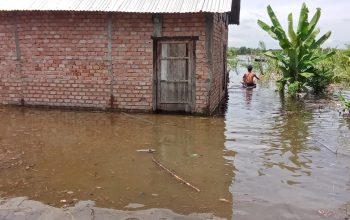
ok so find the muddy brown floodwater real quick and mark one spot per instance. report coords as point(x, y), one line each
point(266, 158)
point(72, 156)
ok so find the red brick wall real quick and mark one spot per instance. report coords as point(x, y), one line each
point(10, 79)
point(64, 59)
point(132, 54)
point(220, 37)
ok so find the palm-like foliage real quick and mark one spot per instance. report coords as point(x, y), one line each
point(300, 50)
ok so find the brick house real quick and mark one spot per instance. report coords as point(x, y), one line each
point(135, 55)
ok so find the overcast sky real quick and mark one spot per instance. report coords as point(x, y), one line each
point(335, 17)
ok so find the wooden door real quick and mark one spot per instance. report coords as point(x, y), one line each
point(175, 83)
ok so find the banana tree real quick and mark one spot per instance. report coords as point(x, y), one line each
point(300, 50)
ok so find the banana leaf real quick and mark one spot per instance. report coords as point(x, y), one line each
point(278, 28)
point(283, 40)
point(307, 75)
point(314, 20)
point(273, 18)
point(319, 42)
point(291, 33)
point(303, 23)
point(322, 57)
point(267, 28)
point(311, 39)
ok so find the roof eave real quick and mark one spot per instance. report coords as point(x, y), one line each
point(235, 12)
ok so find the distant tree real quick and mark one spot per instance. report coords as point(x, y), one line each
point(262, 46)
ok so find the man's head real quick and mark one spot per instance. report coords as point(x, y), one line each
point(250, 68)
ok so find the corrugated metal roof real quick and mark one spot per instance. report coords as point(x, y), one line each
point(137, 6)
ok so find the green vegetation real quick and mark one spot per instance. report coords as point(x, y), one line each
point(301, 53)
point(340, 64)
point(250, 51)
point(256, 58)
point(345, 102)
point(232, 60)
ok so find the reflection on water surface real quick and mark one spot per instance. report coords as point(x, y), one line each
point(85, 155)
point(284, 171)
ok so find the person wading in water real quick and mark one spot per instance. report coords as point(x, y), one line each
point(248, 78)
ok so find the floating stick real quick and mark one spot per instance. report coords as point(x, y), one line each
point(330, 149)
point(174, 175)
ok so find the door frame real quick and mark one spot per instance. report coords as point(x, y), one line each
point(192, 96)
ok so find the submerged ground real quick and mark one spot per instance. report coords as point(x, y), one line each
point(266, 158)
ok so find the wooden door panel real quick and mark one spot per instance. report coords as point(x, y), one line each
point(174, 76)
point(174, 49)
point(174, 69)
point(177, 93)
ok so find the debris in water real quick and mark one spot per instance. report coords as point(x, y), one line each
point(150, 150)
point(30, 168)
point(174, 175)
point(328, 148)
point(134, 206)
point(63, 200)
point(98, 187)
point(224, 200)
point(326, 213)
point(70, 192)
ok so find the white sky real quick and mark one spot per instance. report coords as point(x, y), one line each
point(335, 17)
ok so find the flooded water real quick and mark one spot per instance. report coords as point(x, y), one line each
point(284, 169)
point(86, 155)
point(266, 158)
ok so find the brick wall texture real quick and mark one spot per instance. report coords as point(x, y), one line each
point(218, 83)
point(70, 59)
